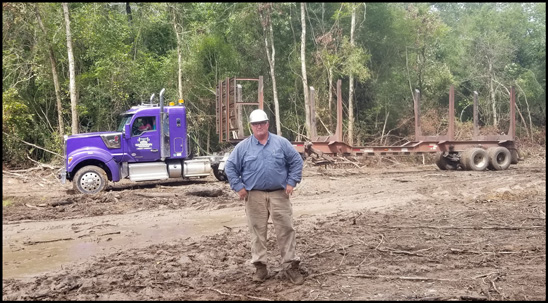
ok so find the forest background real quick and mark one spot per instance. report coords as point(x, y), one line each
point(75, 67)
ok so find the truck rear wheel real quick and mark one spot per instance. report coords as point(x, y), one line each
point(220, 175)
point(499, 158)
point(90, 179)
point(475, 159)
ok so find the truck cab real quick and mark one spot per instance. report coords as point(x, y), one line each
point(151, 143)
point(142, 132)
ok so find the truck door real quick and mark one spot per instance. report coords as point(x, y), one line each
point(177, 128)
point(144, 145)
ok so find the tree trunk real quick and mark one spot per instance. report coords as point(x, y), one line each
point(522, 121)
point(128, 12)
point(72, 74)
point(492, 94)
point(179, 56)
point(208, 139)
point(383, 129)
point(54, 75)
point(330, 102)
point(351, 85)
point(530, 134)
point(303, 66)
point(266, 21)
point(493, 103)
point(274, 88)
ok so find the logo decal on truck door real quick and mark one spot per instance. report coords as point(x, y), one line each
point(144, 143)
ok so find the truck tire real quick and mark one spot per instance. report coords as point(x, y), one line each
point(90, 179)
point(499, 158)
point(474, 159)
point(444, 164)
point(220, 175)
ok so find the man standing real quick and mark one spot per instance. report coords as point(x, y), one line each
point(264, 169)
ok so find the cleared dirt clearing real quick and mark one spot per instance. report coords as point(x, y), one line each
point(405, 232)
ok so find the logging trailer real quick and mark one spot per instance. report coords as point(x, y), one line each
point(493, 152)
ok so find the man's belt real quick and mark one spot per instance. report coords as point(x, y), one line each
point(269, 190)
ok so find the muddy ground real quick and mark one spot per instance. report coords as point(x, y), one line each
point(394, 229)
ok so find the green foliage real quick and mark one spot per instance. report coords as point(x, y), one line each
point(529, 84)
point(16, 118)
point(7, 202)
point(16, 125)
point(122, 59)
point(355, 60)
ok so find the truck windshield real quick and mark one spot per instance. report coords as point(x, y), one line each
point(125, 120)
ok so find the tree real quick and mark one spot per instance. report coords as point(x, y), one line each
point(265, 13)
point(178, 34)
point(327, 56)
point(53, 73)
point(351, 84)
point(354, 66)
point(73, 93)
point(303, 69)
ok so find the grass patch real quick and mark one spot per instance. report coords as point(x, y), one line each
point(7, 202)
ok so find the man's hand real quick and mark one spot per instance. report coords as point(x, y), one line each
point(242, 193)
point(289, 189)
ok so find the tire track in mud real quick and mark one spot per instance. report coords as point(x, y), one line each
point(479, 185)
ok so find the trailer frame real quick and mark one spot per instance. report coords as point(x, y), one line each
point(481, 152)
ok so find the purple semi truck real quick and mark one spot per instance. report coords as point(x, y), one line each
point(151, 143)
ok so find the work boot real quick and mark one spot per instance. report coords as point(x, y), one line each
point(293, 274)
point(261, 272)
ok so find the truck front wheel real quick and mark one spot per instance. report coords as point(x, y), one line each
point(90, 179)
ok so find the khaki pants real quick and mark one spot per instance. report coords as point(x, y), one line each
point(258, 206)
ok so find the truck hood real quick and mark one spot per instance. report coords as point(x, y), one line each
point(102, 140)
point(94, 134)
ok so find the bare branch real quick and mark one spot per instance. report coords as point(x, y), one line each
point(238, 295)
point(33, 145)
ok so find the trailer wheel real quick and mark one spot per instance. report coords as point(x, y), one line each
point(474, 159)
point(90, 179)
point(444, 164)
point(499, 158)
point(514, 156)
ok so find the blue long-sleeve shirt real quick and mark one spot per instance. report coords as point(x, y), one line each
point(252, 165)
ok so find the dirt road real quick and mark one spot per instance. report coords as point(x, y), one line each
point(403, 232)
